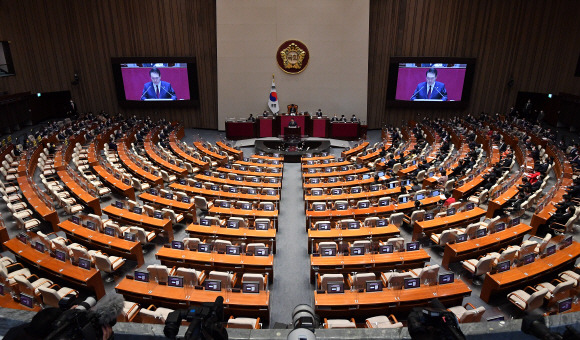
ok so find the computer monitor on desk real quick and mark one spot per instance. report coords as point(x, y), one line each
point(91, 225)
point(335, 287)
point(411, 283)
point(60, 255)
point(564, 305)
point(204, 248)
point(327, 251)
point(213, 285)
point(373, 286)
point(251, 287)
point(261, 251)
point(175, 281)
point(357, 250)
point(385, 249)
point(141, 276)
point(233, 250)
point(177, 245)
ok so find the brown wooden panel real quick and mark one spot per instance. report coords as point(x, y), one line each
point(528, 41)
point(51, 40)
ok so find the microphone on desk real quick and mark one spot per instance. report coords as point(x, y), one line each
point(416, 92)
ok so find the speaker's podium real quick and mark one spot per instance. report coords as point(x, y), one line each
point(292, 134)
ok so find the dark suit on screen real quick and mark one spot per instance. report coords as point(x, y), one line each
point(165, 91)
point(438, 92)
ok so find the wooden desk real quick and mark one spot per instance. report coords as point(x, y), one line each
point(115, 184)
point(47, 212)
point(241, 234)
point(251, 214)
point(345, 197)
point(108, 244)
point(213, 261)
point(362, 170)
point(439, 224)
point(340, 183)
point(151, 138)
point(174, 138)
point(499, 202)
point(149, 223)
point(518, 277)
point(325, 165)
point(455, 252)
point(134, 168)
point(238, 154)
point(317, 158)
point(213, 194)
point(261, 165)
point(237, 304)
point(266, 157)
point(221, 159)
point(80, 193)
point(363, 305)
point(373, 263)
point(374, 233)
point(65, 273)
point(355, 150)
point(250, 173)
point(178, 206)
point(3, 235)
point(204, 178)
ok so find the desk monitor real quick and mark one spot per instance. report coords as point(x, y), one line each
point(261, 226)
point(515, 221)
point(324, 226)
point(138, 210)
point(411, 246)
point(60, 255)
point(503, 266)
point(431, 174)
point(383, 203)
point(357, 250)
point(446, 278)
point(169, 196)
point(214, 187)
point(328, 169)
point(340, 159)
point(383, 222)
point(566, 242)
point(332, 180)
point(269, 207)
point(252, 191)
point(155, 173)
point(318, 206)
point(327, 251)
point(233, 224)
point(461, 238)
point(358, 166)
point(564, 305)
point(356, 190)
point(213, 285)
point(419, 197)
point(222, 175)
point(255, 180)
point(141, 276)
point(435, 193)
point(315, 180)
point(186, 199)
point(204, 248)
point(26, 300)
point(429, 216)
point(172, 161)
point(496, 318)
point(204, 222)
point(414, 162)
point(311, 171)
point(22, 237)
point(226, 204)
point(481, 232)
point(84, 263)
point(336, 192)
point(406, 182)
point(228, 166)
point(499, 227)
point(366, 176)
point(273, 180)
point(469, 206)
point(117, 175)
point(251, 287)
point(110, 231)
point(233, 190)
point(246, 159)
point(374, 286)
point(386, 249)
point(119, 204)
point(91, 225)
point(325, 161)
point(75, 220)
point(239, 178)
point(341, 206)
point(198, 185)
point(153, 191)
point(243, 168)
point(182, 181)
point(1, 289)
point(551, 250)
point(392, 185)
point(177, 245)
point(412, 283)
point(146, 168)
point(233, 250)
point(335, 287)
point(375, 187)
point(451, 211)
point(309, 162)
point(175, 281)
point(316, 192)
point(529, 258)
point(381, 174)
point(246, 206)
point(350, 178)
point(353, 225)
point(130, 236)
point(261, 251)
point(39, 246)
point(403, 199)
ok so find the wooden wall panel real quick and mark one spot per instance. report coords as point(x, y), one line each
point(532, 42)
point(51, 40)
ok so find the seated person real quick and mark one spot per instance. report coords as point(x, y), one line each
point(353, 119)
point(342, 119)
point(292, 123)
point(112, 145)
point(251, 118)
point(334, 119)
point(319, 113)
point(265, 113)
point(293, 109)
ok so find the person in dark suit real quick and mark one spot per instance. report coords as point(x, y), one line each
point(430, 89)
point(156, 88)
point(319, 113)
point(292, 123)
point(353, 119)
point(251, 118)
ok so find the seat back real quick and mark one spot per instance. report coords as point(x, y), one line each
point(507, 255)
point(220, 245)
point(24, 285)
point(191, 243)
point(242, 222)
point(103, 263)
point(140, 233)
point(224, 277)
point(429, 274)
point(201, 202)
point(78, 252)
point(371, 221)
point(364, 243)
point(397, 242)
point(397, 219)
point(396, 280)
point(561, 290)
point(359, 279)
point(251, 277)
point(483, 265)
point(326, 278)
point(526, 248)
point(417, 215)
point(536, 300)
point(190, 275)
point(447, 236)
point(251, 247)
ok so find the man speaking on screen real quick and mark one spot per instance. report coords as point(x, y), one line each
point(430, 89)
point(156, 88)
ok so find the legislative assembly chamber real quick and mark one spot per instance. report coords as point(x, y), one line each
point(268, 169)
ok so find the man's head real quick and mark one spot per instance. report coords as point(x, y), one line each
point(155, 75)
point(431, 76)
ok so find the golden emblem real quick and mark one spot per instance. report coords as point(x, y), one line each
point(292, 56)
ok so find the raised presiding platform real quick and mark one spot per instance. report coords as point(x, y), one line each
point(292, 151)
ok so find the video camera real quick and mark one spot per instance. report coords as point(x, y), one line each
point(535, 325)
point(205, 322)
point(434, 322)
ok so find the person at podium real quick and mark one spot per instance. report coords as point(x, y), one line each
point(431, 89)
point(353, 119)
point(319, 113)
point(292, 123)
point(156, 88)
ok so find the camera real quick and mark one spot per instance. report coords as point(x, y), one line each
point(434, 322)
point(205, 322)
